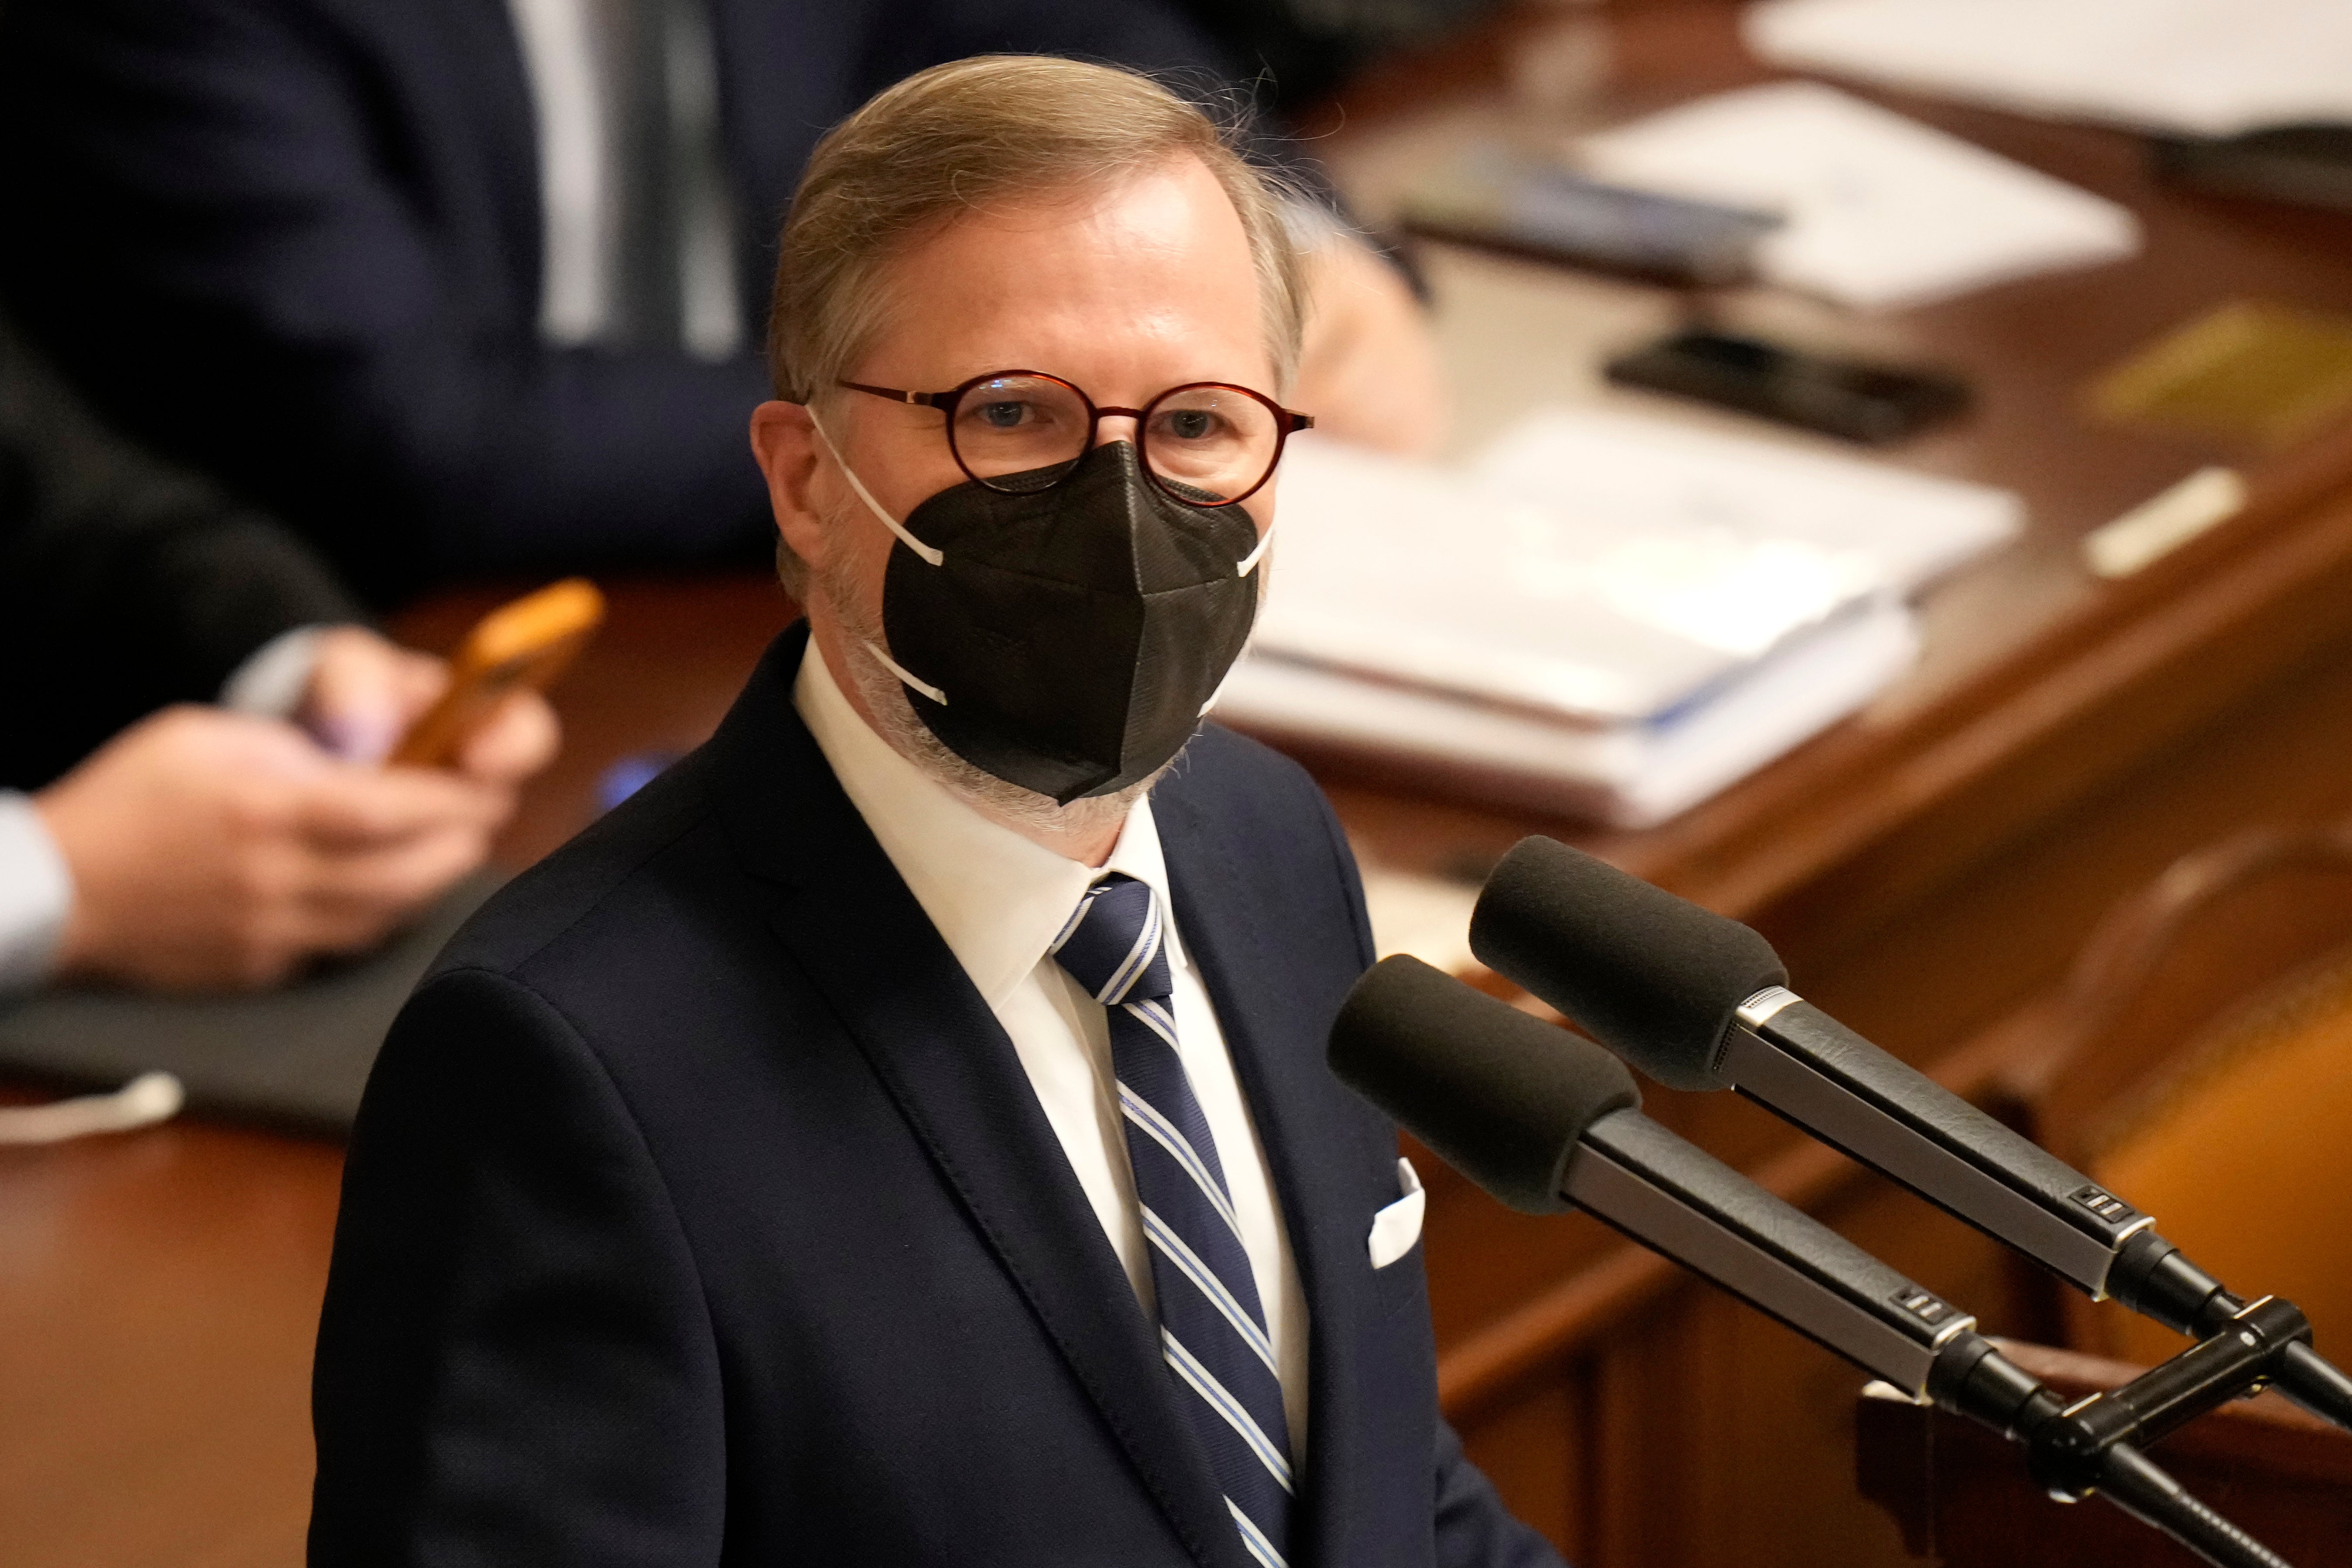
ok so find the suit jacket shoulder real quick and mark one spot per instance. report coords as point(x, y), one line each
point(127, 582)
point(1263, 807)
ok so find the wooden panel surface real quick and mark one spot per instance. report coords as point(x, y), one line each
point(158, 1299)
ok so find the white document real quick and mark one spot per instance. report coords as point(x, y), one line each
point(1603, 613)
point(2199, 67)
point(1407, 573)
point(1881, 212)
point(1428, 917)
point(1642, 472)
point(1628, 776)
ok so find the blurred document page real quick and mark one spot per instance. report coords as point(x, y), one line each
point(1641, 473)
point(1881, 212)
point(1603, 614)
point(2201, 68)
point(1628, 776)
point(1410, 574)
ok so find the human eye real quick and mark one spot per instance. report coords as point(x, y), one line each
point(1192, 426)
point(1021, 408)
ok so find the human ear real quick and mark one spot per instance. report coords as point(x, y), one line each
point(785, 443)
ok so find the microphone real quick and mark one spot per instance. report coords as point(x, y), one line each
point(1545, 1120)
point(1700, 1002)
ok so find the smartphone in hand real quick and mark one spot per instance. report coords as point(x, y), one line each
point(519, 646)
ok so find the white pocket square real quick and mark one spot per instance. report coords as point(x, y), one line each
point(1396, 1227)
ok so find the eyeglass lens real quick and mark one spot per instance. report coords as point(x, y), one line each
point(1207, 438)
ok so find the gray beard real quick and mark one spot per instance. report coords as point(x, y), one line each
point(895, 719)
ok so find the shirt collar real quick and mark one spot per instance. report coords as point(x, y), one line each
point(997, 899)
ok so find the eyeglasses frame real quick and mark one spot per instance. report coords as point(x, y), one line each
point(1285, 421)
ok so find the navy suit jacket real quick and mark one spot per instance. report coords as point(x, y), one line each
point(298, 242)
point(700, 1211)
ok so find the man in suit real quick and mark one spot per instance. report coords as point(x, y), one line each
point(191, 720)
point(901, 1134)
point(462, 286)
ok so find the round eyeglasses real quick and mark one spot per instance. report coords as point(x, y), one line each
point(1020, 431)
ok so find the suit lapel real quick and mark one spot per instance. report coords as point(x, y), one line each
point(1291, 1099)
point(838, 906)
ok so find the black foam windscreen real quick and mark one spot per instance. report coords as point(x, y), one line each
point(1502, 1097)
point(1653, 977)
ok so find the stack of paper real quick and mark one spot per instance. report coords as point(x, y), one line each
point(1881, 212)
point(1909, 527)
point(2198, 67)
point(1605, 616)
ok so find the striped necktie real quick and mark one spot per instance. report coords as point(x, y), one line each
point(1212, 1330)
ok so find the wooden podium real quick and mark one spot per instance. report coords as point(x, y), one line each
point(1962, 1496)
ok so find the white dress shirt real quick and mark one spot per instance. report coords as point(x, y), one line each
point(35, 895)
point(580, 232)
point(998, 900)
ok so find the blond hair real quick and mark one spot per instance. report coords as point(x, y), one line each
point(964, 136)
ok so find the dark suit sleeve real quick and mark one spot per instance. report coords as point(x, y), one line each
point(125, 585)
point(1147, 35)
point(1474, 1529)
point(258, 233)
point(514, 1362)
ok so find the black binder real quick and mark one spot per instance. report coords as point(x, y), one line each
point(294, 1058)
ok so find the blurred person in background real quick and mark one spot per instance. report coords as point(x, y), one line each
point(465, 285)
point(1303, 49)
point(199, 717)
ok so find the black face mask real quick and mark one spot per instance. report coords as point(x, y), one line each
point(1074, 633)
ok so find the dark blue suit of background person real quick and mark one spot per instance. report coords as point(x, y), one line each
point(700, 1212)
point(298, 242)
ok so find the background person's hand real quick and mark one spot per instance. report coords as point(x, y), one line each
point(212, 850)
point(1368, 370)
point(364, 692)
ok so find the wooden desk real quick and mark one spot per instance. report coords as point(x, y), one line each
point(159, 1293)
point(1927, 869)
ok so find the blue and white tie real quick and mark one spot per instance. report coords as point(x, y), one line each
point(1212, 1328)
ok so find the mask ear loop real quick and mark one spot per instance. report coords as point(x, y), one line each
point(930, 555)
point(904, 674)
point(933, 556)
point(1249, 563)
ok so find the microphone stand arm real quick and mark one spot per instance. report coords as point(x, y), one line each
point(2094, 1446)
point(1645, 1182)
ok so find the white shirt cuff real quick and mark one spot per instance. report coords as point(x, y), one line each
point(35, 895)
point(273, 678)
